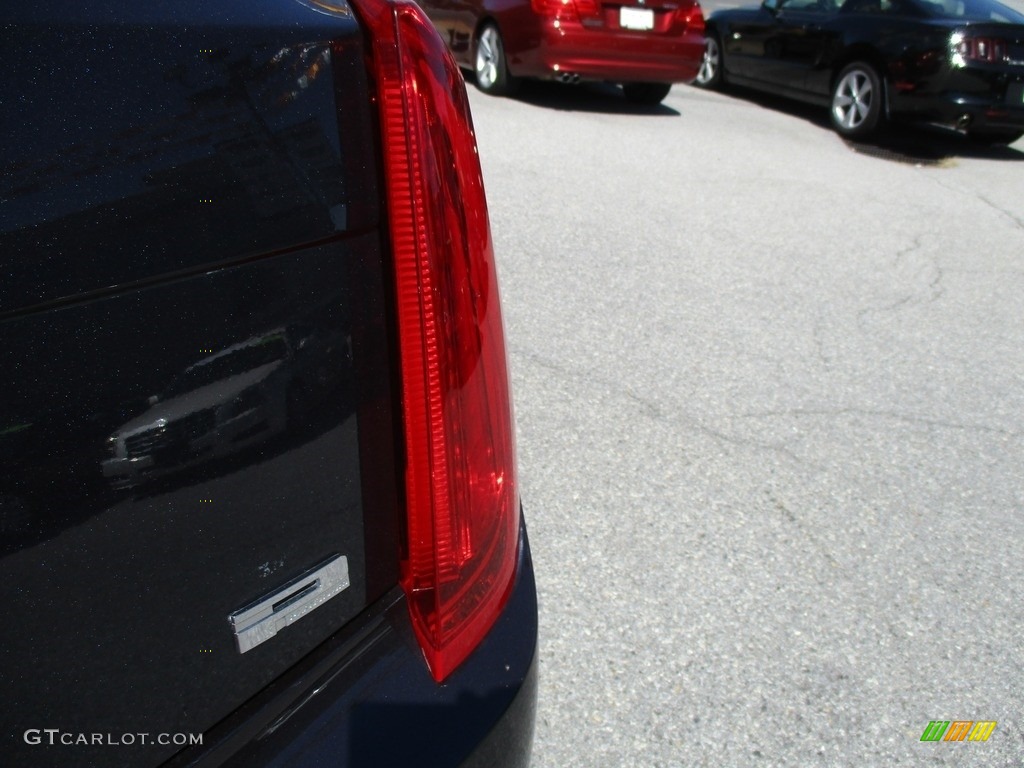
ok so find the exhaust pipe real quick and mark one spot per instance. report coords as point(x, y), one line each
point(572, 78)
point(962, 122)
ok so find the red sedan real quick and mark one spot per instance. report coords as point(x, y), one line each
point(646, 45)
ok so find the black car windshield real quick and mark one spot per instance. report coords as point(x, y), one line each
point(970, 10)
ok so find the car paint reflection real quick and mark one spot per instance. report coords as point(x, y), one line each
point(233, 399)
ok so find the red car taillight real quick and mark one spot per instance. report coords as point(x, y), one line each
point(692, 17)
point(461, 492)
point(566, 10)
point(989, 49)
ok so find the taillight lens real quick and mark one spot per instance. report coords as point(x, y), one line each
point(461, 494)
point(987, 49)
point(566, 10)
point(692, 16)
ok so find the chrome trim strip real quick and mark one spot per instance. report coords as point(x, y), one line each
point(265, 617)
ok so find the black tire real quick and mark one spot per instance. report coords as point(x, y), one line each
point(646, 93)
point(994, 138)
point(858, 101)
point(710, 75)
point(490, 65)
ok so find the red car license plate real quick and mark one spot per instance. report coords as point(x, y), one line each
point(636, 18)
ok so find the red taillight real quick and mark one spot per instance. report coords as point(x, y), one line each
point(566, 10)
point(693, 17)
point(989, 49)
point(461, 494)
point(552, 7)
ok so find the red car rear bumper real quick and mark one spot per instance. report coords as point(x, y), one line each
point(602, 54)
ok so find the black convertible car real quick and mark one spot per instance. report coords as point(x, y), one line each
point(957, 63)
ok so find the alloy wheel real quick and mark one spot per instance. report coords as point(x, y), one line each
point(710, 63)
point(488, 58)
point(853, 100)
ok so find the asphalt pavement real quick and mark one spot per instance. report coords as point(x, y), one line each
point(770, 406)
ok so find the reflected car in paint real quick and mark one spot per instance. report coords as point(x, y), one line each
point(222, 404)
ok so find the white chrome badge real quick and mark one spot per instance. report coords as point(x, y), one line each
point(265, 617)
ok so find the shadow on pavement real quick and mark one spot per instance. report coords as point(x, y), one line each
point(903, 143)
point(930, 145)
point(604, 98)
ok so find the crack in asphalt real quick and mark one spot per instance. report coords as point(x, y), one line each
point(934, 288)
point(906, 418)
point(817, 334)
point(1018, 222)
point(656, 411)
point(650, 408)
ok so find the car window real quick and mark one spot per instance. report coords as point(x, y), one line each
point(972, 10)
point(808, 6)
point(887, 7)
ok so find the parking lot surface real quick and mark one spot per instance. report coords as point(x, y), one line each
point(770, 402)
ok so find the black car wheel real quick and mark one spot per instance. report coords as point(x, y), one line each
point(646, 93)
point(490, 66)
point(710, 74)
point(994, 138)
point(857, 100)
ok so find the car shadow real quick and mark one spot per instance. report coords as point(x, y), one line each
point(604, 98)
point(902, 143)
point(930, 145)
